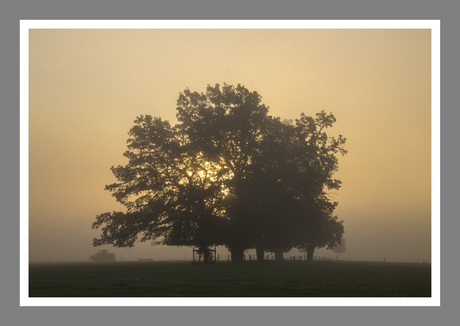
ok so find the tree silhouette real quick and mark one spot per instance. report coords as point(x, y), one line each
point(226, 174)
point(340, 248)
point(166, 190)
point(300, 159)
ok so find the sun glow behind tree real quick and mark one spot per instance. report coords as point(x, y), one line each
point(210, 174)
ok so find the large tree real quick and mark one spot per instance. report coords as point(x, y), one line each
point(317, 154)
point(168, 190)
point(300, 160)
point(227, 125)
point(226, 174)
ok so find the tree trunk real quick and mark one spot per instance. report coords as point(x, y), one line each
point(260, 253)
point(279, 255)
point(206, 256)
point(310, 251)
point(237, 254)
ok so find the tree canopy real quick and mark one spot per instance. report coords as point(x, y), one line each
point(227, 174)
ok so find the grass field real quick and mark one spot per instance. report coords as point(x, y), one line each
point(250, 279)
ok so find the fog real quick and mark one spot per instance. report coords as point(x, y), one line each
point(88, 86)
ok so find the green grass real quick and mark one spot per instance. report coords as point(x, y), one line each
point(250, 279)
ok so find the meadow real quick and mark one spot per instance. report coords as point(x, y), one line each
point(248, 279)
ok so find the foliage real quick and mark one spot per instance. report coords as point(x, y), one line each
point(164, 189)
point(341, 247)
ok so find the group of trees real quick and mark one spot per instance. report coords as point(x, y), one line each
point(227, 174)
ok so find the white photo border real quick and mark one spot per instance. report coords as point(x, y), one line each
point(433, 25)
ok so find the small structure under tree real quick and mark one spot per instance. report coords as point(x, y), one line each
point(205, 255)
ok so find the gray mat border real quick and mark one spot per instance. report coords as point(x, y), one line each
point(12, 12)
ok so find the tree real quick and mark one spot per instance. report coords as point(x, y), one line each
point(226, 174)
point(166, 190)
point(315, 155)
point(340, 247)
point(301, 160)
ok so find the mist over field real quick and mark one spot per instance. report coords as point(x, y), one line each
point(88, 86)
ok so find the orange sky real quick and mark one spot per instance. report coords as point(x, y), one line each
point(86, 87)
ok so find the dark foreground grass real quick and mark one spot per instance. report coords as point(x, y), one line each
point(250, 279)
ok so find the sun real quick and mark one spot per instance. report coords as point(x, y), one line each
point(211, 172)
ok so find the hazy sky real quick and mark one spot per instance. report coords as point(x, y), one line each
point(88, 86)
